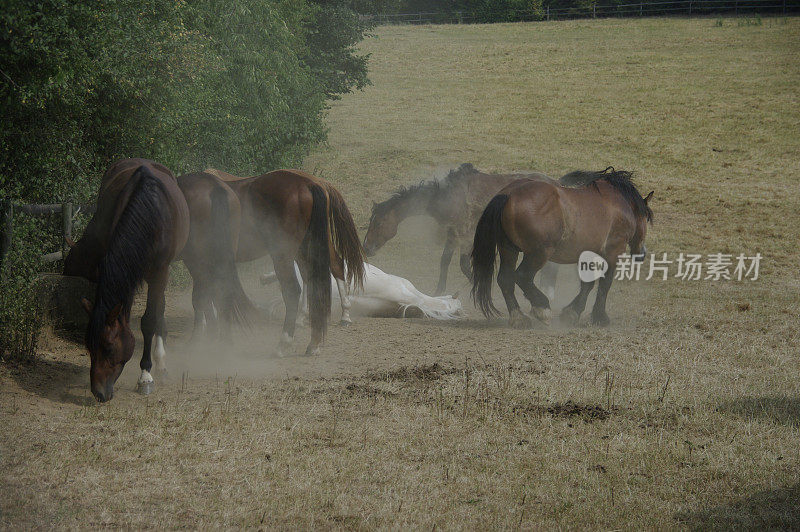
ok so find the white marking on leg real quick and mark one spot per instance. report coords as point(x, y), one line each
point(159, 354)
point(145, 377)
point(345, 300)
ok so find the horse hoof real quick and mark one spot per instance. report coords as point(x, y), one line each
point(312, 351)
point(519, 320)
point(145, 388)
point(284, 350)
point(545, 315)
point(601, 320)
point(345, 323)
point(569, 316)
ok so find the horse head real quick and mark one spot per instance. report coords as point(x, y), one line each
point(382, 227)
point(110, 343)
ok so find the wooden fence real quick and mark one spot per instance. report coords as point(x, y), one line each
point(667, 7)
point(67, 211)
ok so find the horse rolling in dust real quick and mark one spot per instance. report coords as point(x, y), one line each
point(297, 217)
point(210, 254)
point(384, 295)
point(548, 222)
point(140, 226)
point(456, 203)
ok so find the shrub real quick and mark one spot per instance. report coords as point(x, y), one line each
point(238, 85)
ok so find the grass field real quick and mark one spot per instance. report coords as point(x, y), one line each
point(685, 413)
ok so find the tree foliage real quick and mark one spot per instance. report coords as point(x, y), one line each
point(237, 85)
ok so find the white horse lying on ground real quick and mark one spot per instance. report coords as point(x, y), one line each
point(384, 295)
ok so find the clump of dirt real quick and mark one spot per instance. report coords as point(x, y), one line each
point(365, 390)
point(569, 409)
point(425, 373)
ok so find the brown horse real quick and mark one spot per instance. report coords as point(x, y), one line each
point(549, 222)
point(296, 217)
point(210, 254)
point(140, 226)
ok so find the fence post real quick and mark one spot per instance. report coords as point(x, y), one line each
point(6, 228)
point(66, 219)
point(640, 9)
point(594, 10)
point(690, 8)
point(784, 7)
point(548, 9)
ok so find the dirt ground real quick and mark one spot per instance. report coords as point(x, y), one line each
point(684, 413)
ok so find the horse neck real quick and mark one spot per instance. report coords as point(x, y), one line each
point(416, 203)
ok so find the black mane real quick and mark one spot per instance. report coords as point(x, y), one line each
point(422, 188)
point(621, 180)
point(131, 247)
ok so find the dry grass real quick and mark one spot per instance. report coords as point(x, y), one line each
point(685, 413)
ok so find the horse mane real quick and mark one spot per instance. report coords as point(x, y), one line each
point(621, 180)
point(404, 193)
point(433, 187)
point(130, 249)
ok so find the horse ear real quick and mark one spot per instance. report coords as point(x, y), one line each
point(113, 314)
point(647, 198)
point(87, 305)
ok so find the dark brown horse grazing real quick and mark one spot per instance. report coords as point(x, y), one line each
point(456, 203)
point(549, 222)
point(140, 226)
point(210, 255)
point(296, 217)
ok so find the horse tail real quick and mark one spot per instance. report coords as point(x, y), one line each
point(344, 239)
point(235, 305)
point(488, 235)
point(316, 254)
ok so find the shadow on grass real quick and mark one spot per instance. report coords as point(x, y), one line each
point(56, 380)
point(779, 408)
point(777, 509)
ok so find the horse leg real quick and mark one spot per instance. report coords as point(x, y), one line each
point(153, 315)
point(507, 283)
point(337, 270)
point(444, 263)
point(159, 352)
point(548, 275)
point(540, 304)
point(290, 290)
point(464, 262)
point(346, 303)
point(572, 312)
point(599, 315)
point(200, 303)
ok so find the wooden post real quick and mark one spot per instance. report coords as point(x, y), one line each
point(6, 228)
point(690, 8)
point(548, 11)
point(640, 9)
point(594, 10)
point(66, 219)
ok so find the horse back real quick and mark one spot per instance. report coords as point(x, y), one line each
point(116, 188)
